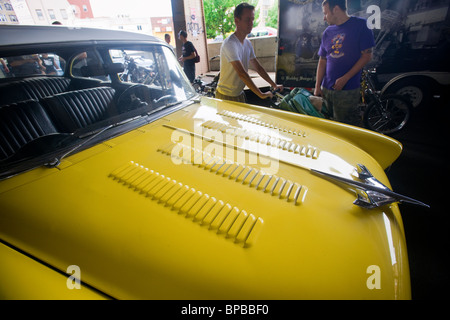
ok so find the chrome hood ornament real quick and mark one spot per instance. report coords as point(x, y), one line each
point(371, 193)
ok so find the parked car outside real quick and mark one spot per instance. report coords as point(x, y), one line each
point(263, 31)
point(149, 191)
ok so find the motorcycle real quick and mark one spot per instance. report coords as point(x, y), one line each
point(205, 88)
point(138, 70)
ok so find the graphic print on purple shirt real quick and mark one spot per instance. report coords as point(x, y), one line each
point(342, 46)
point(337, 42)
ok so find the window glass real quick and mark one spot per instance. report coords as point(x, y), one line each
point(154, 66)
point(64, 13)
point(140, 65)
point(88, 64)
point(51, 14)
point(49, 64)
point(40, 14)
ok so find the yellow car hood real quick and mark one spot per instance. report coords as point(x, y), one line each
point(215, 201)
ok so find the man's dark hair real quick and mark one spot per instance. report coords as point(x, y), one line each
point(182, 33)
point(241, 7)
point(333, 3)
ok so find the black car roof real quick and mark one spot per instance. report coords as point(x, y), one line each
point(22, 35)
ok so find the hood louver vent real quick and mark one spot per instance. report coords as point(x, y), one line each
point(220, 216)
point(279, 127)
point(267, 139)
point(272, 185)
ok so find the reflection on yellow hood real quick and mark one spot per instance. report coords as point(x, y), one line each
point(215, 201)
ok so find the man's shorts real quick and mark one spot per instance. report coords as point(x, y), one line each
point(239, 98)
point(343, 105)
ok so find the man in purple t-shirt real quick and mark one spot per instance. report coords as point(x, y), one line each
point(345, 49)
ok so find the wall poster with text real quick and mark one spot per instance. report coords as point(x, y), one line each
point(410, 35)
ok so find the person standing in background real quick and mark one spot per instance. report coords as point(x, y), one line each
point(345, 49)
point(236, 54)
point(167, 38)
point(49, 64)
point(188, 56)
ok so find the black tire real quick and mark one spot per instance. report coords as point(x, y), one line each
point(416, 89)
point(197, 87)
point(391, 117)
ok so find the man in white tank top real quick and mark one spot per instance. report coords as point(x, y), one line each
point(236, 55)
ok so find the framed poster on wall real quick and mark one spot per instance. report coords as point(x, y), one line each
point(410, 36)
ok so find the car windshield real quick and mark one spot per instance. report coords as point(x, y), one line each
point(57, 103)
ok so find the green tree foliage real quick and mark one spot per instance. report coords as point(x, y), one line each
point(219, 18)
point(272, 18)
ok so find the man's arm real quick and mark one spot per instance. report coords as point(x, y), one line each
point(263, 73)
point(5, 66)
point(192, 56)
point(18, 63)
point(366, 56)
point(320, 73)
point(189, 47)
point(245, 77)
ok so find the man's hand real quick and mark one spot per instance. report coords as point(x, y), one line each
point(265, 95)
point(278, 88)
point(318, 92)
point(340, 83)
point(366, 56)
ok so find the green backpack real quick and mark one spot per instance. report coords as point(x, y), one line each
point(298, 101)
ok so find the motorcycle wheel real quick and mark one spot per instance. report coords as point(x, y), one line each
point(390, 116)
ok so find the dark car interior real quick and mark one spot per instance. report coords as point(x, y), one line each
point(89, 90)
